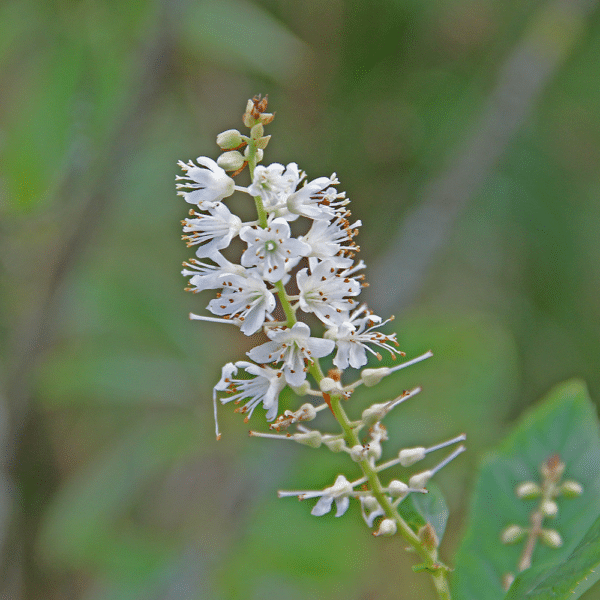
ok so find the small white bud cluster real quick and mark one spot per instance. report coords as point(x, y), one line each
point(295, 271)
point(546, 492)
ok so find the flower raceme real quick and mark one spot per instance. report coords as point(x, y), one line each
point(296, 263)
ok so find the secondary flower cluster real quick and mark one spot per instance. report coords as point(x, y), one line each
point(294, 263)
point(552, 487)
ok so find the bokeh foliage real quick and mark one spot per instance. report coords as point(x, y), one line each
point(112, 485)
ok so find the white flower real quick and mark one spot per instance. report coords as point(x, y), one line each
point(339, 492)
point(275, 183)
point(352, 332)
point(324, 291)
point(205, 276)
point(213, 231)
point(205, 187)
point(326, 240)
point(272, 249)
point(294, 347)
point(245, 298)
point(370, 509)
point(317, 200)
point(264, 387)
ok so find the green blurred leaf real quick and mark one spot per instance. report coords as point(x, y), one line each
point(565, 423)
point(419, 509)
point(239, 33)
point(565, 581)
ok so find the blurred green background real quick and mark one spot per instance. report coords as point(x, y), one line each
point(467, 134)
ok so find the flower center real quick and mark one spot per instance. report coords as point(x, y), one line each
point(270, 246)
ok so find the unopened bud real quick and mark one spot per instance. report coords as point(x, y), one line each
point(371, 377)
point(329, 386)
point(262, 142)
point(266, 118)
point(302, 389)
point(551, 538)
point(507, 581)
point(528, 490)
point(571, 489)
point(230, 139)
point(335, 445)
point(373, 450)
point(370, 503)
point(307, 412)
point(549, 508)
point(312, 438)
point(553, 468)
point(387, 527)
point(512, 534)
point(397, 488)
point(231, 161)
point(419, 481)
point(259, 154)
point(373, 414)
point(257, 131)
point(428, 537)
point(409, 456)
point(357, 453)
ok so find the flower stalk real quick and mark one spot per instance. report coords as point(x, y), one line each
point(302, 240)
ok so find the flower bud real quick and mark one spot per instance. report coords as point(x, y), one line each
point(549, 508)
point(387, 527)
point(373, 450)
point(259, 154)
point(357, 453)
point(266, 118)
point(512, 534)
point(302, 389)
point(335, 445)
point(312, 438)
point(262, 142)
point(428, 537)
point(571, 489)
point(370, 503)
point(329, 386)
point(507, 581)
point(230, 139)
point(409, 456)
point(397, 488)
point(551, 538)
point(257, 131)
point(553, 468)
point(373, 414)
point(307, 412)
point(371, 377)
point(419, 481)
point(231, 161)
point(528, 490)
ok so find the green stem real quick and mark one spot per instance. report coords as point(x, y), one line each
point(437, 570)
point(260, 209)
point(286, 304)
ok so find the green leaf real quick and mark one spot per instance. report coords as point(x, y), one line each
point(568, 580)
point(419, 509)
point(565, 424)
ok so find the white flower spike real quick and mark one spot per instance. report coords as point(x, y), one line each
point(289, 278)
